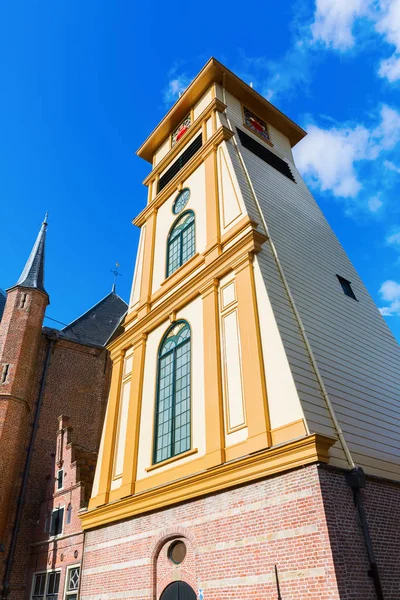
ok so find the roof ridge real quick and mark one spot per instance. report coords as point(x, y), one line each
point(91, 308)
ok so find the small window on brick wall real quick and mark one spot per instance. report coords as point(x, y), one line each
point(346, 287)
point(23, 301)
point(69, 514)
point(56, 524)
point(60, 479)
point(4, 373)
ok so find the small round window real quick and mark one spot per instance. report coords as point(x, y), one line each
point(177, 552)
point(181, 200)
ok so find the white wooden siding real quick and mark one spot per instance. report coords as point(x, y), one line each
point(356, 353)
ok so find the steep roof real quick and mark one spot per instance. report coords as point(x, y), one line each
point(98, 324)
point(3, 299)
point(33, 274)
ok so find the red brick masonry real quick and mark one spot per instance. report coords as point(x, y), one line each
point(304, 522)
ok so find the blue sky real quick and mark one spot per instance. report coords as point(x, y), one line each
point(83, 84)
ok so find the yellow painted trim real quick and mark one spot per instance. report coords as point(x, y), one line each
point(250, 241)
point(214, 72)
point(213, 229)
point(214, 418)
point(291, 431)
point(255, 390)
point(172, 459)
point(134, 415)
point(197, 125)
point(222, 134)
point(110, 428)
point(307, 450)
point(148, 260)
point(225, 307)
point(225, 313)
point(184, 270)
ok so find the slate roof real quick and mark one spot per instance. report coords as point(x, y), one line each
point(3, 299)
point(97, 325)
point(33, 274)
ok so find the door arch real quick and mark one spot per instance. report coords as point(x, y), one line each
point(178, 590)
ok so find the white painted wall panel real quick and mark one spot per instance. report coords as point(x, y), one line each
point(202, 104)
point(122, 429)
point(135, 293)
point(233, 379)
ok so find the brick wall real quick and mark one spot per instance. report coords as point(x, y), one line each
point(382, 505)
point(304, 522)
point(77, 384)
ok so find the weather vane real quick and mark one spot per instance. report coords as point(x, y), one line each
point(115, 272)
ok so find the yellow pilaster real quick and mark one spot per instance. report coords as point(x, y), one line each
point(148, 260)
point(255, 392)
point(133, 426)
point(213, 247)
point(109, 432)
point(212, 375)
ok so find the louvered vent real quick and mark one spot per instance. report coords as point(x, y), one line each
point(265, 154)
point(179, 163)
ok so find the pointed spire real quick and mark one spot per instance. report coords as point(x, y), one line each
point(33, 274)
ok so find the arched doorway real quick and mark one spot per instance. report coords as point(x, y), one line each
point(179, 590)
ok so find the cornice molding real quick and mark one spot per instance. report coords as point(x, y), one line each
point(250, 241)
point(298, 453)
point(223, 133)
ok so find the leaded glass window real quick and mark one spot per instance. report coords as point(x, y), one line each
point(72, 585)
point(181, 130)
point(181, 242)
point(172, 431)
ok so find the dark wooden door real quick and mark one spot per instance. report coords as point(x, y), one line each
point(179, 590)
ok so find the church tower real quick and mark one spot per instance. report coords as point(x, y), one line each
point(251, 445)
point(20, 334)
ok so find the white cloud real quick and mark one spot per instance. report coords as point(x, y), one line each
point(394, 239)
point(388, 25)
point(334, 20)
point(391, 166)
point(328, 157)
point(390, 292)
point(175, 88)
point(390, 68)
point(374, 204)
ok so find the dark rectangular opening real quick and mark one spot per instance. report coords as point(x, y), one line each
point(266, 155)
point(346, 287)
point(180, 163)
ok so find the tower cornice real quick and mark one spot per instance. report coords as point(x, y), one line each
point(215, 72)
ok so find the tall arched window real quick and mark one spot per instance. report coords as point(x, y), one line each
point(181, 242)
point(172, 424)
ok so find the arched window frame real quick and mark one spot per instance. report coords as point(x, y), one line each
point(172, 238)
point(173, 352)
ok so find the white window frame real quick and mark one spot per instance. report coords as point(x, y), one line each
point(66, 593)
point(63, 521)
point(47, 573)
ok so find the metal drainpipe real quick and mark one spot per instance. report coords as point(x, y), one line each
point(353, 478)
point(21, 497)
point(356, 481)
